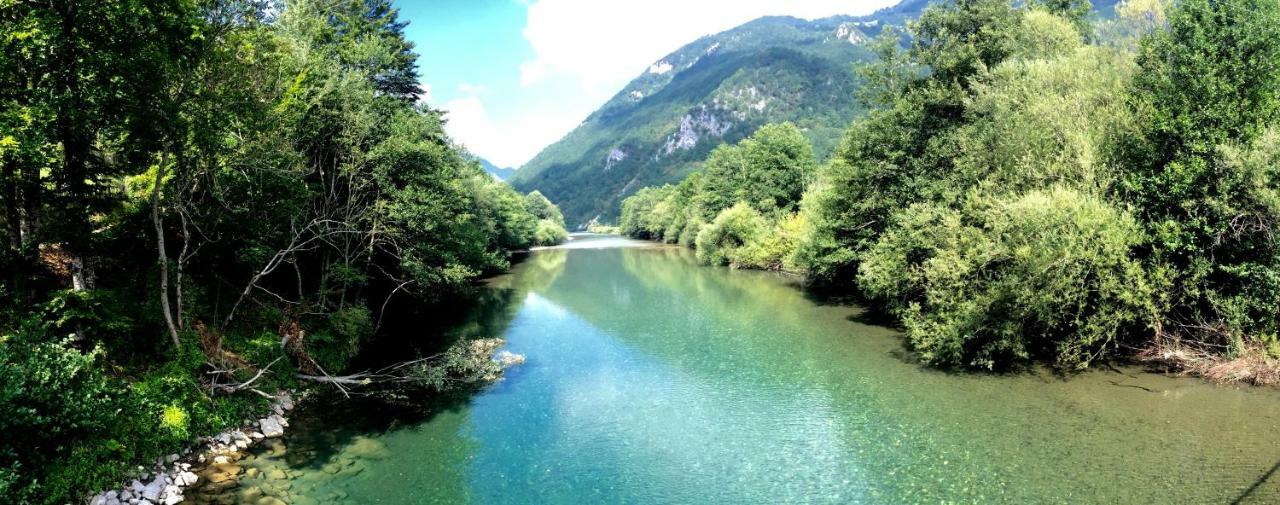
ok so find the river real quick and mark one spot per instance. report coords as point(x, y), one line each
point(651, 379)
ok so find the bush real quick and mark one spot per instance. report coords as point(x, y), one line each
point(776, 249)
point(549, 233)
point(1048, 274)
point(55, 403)
point(735, 227)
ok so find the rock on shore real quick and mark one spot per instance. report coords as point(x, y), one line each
point(170, 475)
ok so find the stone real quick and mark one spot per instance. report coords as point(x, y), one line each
point(257, 435)
point(136, 486)
point(153, 489)
point(220, 460)
point(99, 500)
point(171, 458)
point(369, 448)
point(271, 426)
point(276, 474)
point(172, 495)
point(187, 478)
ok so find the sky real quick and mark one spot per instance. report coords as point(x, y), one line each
point(514, 76)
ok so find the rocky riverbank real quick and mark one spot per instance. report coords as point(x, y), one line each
point(212, 463)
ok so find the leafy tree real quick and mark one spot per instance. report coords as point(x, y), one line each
point(1045, 274)
point(1207, 83)
point(736, 227)
point(902, 152)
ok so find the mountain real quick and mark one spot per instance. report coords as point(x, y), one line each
point(717, 89)
point(501, 173)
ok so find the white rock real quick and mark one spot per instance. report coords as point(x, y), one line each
point(153, 490)
point(99, 500)
point(187, 478)
point(172, 495)
point(113, 501)
point(136, 486)
point(271, 426)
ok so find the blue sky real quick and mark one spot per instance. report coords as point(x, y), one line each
point(516, 75)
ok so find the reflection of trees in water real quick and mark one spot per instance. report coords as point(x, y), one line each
point(732, 295)
point(325, 426)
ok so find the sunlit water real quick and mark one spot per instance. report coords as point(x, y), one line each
point(651, 379)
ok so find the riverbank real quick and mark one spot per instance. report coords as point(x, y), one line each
point(212, 461)
point(652, 379)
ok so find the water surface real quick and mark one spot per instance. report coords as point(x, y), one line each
point(650, 379)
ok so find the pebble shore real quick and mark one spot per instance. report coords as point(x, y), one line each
point(213, 461)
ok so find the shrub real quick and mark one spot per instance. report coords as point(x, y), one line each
point(54, 401)
point(549, 233)
point(1047, 274)
point(718, 242)
point(774, 250)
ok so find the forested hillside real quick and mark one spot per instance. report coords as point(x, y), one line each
point(205, 201)
point(662, 125)
point(717, 89)
point(1032, 186)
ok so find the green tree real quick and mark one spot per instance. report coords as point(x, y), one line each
point(1207, 82)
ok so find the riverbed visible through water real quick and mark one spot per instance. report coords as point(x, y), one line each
point(652, 379)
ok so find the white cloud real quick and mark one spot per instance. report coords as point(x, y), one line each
point(507, 143)
point(606, 43)
point(587, 50)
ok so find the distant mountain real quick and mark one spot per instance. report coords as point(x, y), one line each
point(499, 172)
point(718, 89)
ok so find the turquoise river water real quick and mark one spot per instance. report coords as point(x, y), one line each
point(651, 379)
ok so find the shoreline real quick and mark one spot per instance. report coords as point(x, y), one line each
point(211, 460)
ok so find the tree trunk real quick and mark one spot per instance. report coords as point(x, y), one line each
point(163, 258)
point(12, 217)
point(74, 135)
point(31, 192)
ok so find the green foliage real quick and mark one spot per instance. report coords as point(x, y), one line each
point(1040, 122)
point(542, 208)
point(1044, 35)
point(768, 170)
point(54, 400)
point(722, 241)
point(339, 340)
point(549, 233)
point(1047, 273)
point(1205, 92)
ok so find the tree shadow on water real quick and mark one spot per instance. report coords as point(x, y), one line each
point(325, 425)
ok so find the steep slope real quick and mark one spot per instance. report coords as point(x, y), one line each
point(500, 173)
point(719, 88)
